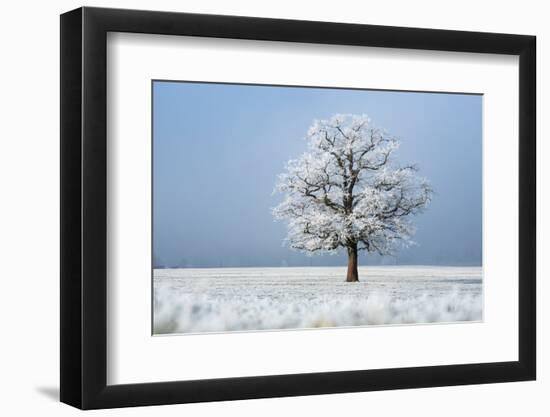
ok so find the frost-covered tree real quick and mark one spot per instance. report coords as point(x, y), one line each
point(347, 192)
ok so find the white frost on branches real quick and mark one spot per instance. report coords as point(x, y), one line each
point(347, 190)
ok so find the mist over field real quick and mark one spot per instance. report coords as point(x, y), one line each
point(248, 299)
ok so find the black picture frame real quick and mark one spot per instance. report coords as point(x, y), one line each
point(84, 207)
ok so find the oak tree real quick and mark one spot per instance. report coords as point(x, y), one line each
point(348, 192)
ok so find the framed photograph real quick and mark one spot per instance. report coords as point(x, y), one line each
point(258, 208)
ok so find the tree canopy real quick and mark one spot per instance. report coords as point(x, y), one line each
point(349, 191)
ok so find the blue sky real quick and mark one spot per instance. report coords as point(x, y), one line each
point(218, 149)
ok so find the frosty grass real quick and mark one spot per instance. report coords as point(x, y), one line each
point(245, 299)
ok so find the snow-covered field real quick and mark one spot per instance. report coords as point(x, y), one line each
point(237, 299)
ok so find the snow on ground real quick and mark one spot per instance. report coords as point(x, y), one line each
point(245, 299)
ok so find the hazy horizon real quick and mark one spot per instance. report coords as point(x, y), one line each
point(362, 266)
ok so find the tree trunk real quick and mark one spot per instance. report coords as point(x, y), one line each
point(353, 274)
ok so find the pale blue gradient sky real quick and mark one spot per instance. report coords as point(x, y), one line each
point(218, 149)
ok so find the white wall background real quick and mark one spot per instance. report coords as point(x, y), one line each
point(29, 210)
